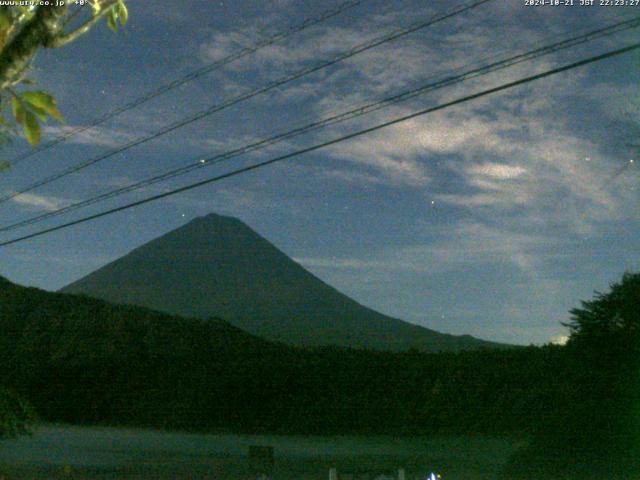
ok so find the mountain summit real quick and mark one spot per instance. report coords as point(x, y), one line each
point(216, 266)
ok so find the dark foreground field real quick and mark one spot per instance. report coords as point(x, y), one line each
point(68, 452)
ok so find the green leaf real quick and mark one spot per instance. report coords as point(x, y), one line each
point(123, 13)
point(112, 20)
point(43, 102)
point(55, 113)
point(6, 127)
point(31, 129)
point(5, 20)
point(96, 7)
point(4, 165)
point(39, 99)
point(18, 110)
point(40, 113)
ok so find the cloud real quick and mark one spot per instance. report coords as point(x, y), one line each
point(498, 171)
point(472, 242)
point(345, 263)
point(38, 202)
point(407, 151)
point(95, 136)
point(550, 170)
point(515, 157)
point(453, 248)
point(351, 176)
point(501, 277)
point(393, 152)
point(320, 42)
point(560, 339)
point(380, 69)
point(487, 127)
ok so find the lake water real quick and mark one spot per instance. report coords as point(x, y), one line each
point(62, 451)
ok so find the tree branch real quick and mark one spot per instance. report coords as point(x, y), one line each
point(38, 32)
point(70, 18)
point(63, 39)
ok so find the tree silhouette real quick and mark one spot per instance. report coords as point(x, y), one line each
point(26, 28)
point(15, 414)
point(610, 323)
point(594, 431)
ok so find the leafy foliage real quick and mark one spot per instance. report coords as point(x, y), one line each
point(24, 29)
point(595, 433)
point(118, 14)
point(29, 107)
point(15, 414)
point(611, 320)
point(134, 366)
point(85, 361)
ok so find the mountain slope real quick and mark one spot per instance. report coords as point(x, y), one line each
point(218, 266)
point(79, 359)
point(82, 360)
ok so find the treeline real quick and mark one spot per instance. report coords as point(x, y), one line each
point(82, 360)
point(594, 432)
point(16, 414)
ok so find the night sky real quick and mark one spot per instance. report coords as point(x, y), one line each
point(491, 218)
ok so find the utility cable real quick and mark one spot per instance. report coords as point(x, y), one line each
point(240, 98)
point(344, 116)
point(161, 90)
point(334, 141)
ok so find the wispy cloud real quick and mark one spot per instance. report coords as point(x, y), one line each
point(96, 136)
point(38, 202)
point(498, 171)
point(453, 248)
point(560, 339)
point(350, 176)
point(490, 132)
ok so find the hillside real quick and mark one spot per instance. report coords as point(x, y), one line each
point(218, 266)
point(82, 360)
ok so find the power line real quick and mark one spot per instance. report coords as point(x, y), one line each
point(309, 22)
point(319, 146)
point(341, 117)
point(397, 33)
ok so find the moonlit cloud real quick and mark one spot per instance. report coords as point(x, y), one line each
point(96, 136)
point(513, 163)
point(38, 202)
point(560, 339)
point(497, 170)
point(406, 150)
point(454, 248)
point(345, 263)
point(486, 212)
point(351, 176)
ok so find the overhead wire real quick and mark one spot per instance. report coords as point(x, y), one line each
point(334, 141)
point(360, 48)
point(189, 77)
point(341, 117)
